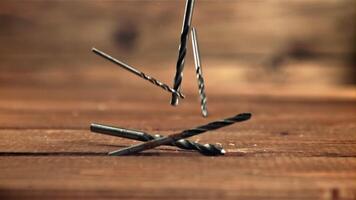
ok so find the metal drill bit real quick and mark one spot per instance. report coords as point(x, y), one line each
point(189, 6)
point(199, 72)
point(184, 134)
point(206, 149)
point(138, 73)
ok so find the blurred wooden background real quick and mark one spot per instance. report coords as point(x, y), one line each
point(307, 45)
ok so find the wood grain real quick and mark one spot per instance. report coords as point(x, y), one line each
point(299, 144)
point(291, 148)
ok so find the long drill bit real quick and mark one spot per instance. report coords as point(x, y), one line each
point(138, 73)
point(189, 6)
point(206, 149)
point(199, 73)
point(184, 134)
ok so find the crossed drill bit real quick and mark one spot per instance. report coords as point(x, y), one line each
point(205, 149)
point(177, 139)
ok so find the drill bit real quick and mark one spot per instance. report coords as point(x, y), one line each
point(206, 149)
point(184, 134)
point(189, 6)
point(138, 73)
point(199, 72)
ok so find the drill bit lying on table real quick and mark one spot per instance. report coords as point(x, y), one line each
point(178, 136)
point(206, 149)
point(138, 73)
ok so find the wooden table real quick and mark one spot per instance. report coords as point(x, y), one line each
point(292, 148)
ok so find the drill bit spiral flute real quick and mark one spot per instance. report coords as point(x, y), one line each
point(199, 72)
point(138, 73)
point(182, 49)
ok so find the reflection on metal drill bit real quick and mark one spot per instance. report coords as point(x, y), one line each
point(199, 72)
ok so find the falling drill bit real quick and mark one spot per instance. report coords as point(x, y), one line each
point(199, 72)
point(184, 134)
point(206, 149)
point(138, 73)
point(182, 49)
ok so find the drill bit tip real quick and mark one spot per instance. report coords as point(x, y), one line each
point(243, 116)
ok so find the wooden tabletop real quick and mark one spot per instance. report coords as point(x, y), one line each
point(286, 62)
point(294, 147)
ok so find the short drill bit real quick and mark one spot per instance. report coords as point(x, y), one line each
point(199, 72)
point(184, 134)
point(189, 6)
point(138, 73)
point(206, 149)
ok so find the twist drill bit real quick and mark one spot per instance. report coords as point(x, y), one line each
point(182, 49)
point(138, 73)
point(206, 149)
point(199, 72)
point(184, 134)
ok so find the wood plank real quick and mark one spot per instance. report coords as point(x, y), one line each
point(299, 144)
point(162, 177)
point(301, 153)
